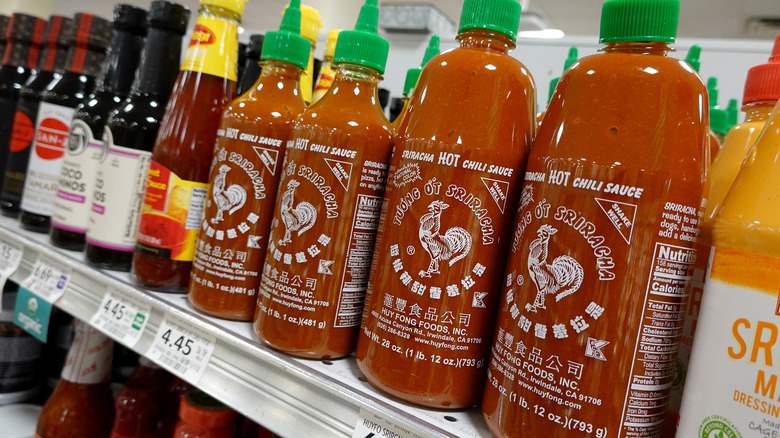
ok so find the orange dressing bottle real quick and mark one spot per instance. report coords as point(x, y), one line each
point(176, 187)
point(447, 221)
point(245, 173)
point(328, 205)
point(603, 248)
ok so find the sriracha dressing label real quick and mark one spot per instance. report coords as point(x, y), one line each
point(171, 215)
point(89, 358)
point(77, 179)
point(43, 171)
point(119, 194)
point(732, 388)
point(571, 272)
point(213, 47)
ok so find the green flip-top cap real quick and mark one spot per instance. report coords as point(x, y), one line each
point(712, 91)
point(639, 20)
point(718, 121)
point(363, 46)
point(570, 60)
point(501, 16)
point(693, 57)
point(413, 74)
point(287, 44)
point(732, 114)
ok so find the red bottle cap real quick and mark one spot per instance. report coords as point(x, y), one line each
point(763, 81)
point(201, 410)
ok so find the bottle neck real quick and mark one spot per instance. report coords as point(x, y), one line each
point(638, 48)
point(53, 58)
point(86, 60)
point(213, 48)
point(362, 80)
point(486, 40)
point(272, 71)
point(120, 63)
point(89, 358)
point(21, 54)
point(159, 63)
point(758, 111)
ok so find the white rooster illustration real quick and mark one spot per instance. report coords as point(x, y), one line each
point(561, 278)
point(230, 199)
point(298, 218)
point(453, 245)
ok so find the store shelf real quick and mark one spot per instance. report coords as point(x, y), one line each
point(292, 397)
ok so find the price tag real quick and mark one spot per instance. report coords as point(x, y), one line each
point(48, 279)
point(122, 318)
point(182, 349)
point(370, 425)
point(10, 258)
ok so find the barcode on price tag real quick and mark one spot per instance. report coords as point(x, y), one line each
point(182, 349)
point(10, 257)
point(370, 425)
point(122, 318)
point(48, 279)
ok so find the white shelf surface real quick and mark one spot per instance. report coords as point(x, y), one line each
point(290, 396)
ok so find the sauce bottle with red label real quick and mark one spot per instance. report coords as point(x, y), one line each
point(202, 416)
point(129, 136)
point(20, 57)
point(51, 65)
point(85, 142)
point(89, 39)
point(328, 205)
point(413, 75)
point(139, 407)
point(176, 187)
point(245, 173)
point(447, 220)
point(82, 404)
point(603, 247)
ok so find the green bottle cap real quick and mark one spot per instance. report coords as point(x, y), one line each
point(363, 46)
point(502, 16)
point(639, 20)
point(693, 57)
point(414, 73)
point(732, 113)
point(712, 91)
point(287, 44)
point(570, 60)
point(718, 123)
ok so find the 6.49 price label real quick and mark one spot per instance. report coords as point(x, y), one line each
point(122, 318)
point(182, 349)
point(48, 279)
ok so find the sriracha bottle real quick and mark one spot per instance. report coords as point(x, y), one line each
point(176, 187)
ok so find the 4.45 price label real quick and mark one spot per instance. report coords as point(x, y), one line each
point(48, 279)
point(182, 349)
point(122, 318)
point(10, 258)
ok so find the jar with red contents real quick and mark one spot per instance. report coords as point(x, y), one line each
point(202, 416)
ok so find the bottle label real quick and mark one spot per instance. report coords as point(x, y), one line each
point(213, 48)
point(598, 276)
point(236, 220)
point(171, 215)
point(43, 172)
point(446, 226)
point(19, 146)
point(324, 81)
point(77, 179)
point(89, 357)
point(119, 194)
point(323, 232)
point(732, 384)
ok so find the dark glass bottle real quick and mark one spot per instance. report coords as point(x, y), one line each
point(85, 142)
point(251, 67)
point(25, 36)
point(4, 20)
point(89, 39)
point(51, 64)
point(129, 137)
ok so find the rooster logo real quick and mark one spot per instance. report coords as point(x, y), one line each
point(453, 245)
point(561, 278)
point(230, 199)
point(298, 218)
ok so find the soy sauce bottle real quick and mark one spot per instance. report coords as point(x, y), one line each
point(129, 137)
point(25, 36)
point(85, 143)
point(89, 40)
point(51, 64)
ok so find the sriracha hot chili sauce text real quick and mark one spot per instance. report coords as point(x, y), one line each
point(447, 216)
point(176, 186)
point(603, 247)
point(245, 173)
point(328, 205)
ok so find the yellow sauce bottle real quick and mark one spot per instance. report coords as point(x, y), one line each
point(326, 76)
point(310, 29)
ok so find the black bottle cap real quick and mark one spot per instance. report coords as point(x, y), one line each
point(58, 30)
point(90, 30)
point(4, 19)
point(26, 28)
point(130, 19)
point(255, 46)
point(168, 15)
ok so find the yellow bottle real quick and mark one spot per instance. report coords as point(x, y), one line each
point(326, 76)
point(310, 29)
